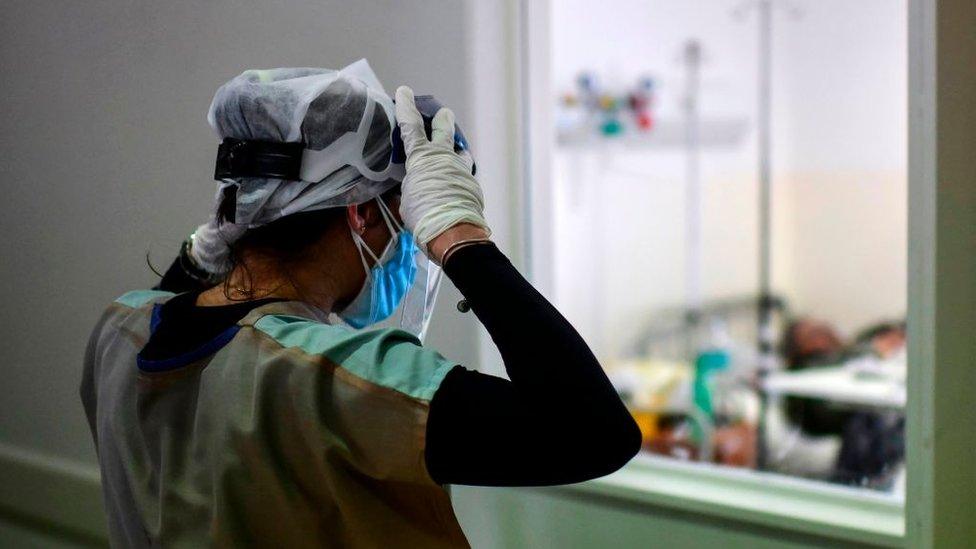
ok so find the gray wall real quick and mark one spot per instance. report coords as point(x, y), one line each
point(105, 154)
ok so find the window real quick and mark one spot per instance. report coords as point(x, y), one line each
point(744, 284)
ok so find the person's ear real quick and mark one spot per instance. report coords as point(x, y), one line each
point(356, 218)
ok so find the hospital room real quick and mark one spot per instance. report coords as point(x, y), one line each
point(489, 273)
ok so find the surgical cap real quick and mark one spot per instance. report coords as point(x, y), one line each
point(343, 117)
point(317, 107)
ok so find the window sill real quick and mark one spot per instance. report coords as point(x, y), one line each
point(836, 512)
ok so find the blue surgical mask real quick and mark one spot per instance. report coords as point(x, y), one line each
point(388, 281)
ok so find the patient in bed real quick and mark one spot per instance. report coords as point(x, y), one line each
point(872, 441)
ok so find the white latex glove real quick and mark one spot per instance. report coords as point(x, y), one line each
point(438, 191)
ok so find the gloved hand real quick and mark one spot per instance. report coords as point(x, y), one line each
point(438, 191)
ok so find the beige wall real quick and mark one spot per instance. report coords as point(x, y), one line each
point(841, 243)
point(839, 134)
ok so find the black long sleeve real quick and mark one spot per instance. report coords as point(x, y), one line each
point(557, 421)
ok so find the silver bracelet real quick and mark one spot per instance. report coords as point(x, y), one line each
point(461, 244)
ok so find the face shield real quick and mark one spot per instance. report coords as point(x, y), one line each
point(413, 312)
point(401, 284)
point(296, 140)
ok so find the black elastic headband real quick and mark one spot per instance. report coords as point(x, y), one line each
point(241, 158)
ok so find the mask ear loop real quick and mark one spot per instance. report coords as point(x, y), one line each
point(391, 225)
point(395, 228)
point(361, 244)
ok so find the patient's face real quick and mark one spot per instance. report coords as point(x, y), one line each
point(815, 338)
point(889, 342)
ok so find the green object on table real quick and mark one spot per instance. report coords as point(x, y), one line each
point(706, 364)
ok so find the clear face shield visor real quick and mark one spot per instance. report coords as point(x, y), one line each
point(400, 287)
point(348, 150)
point(414, 312)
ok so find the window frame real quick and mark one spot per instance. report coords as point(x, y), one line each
point(766, 499)
point(939, 479)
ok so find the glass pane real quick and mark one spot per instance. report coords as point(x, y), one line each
point(751, 317)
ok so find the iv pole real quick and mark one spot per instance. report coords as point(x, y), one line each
point(765, 304)
point(693, 259)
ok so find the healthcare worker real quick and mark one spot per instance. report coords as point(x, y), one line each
point(251, 398)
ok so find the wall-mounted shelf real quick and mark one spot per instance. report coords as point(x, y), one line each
point(667, 133)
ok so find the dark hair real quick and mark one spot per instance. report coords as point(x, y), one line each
point(287, 240)
point(880, 328)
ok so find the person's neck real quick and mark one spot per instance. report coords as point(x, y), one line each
point(256, 288)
